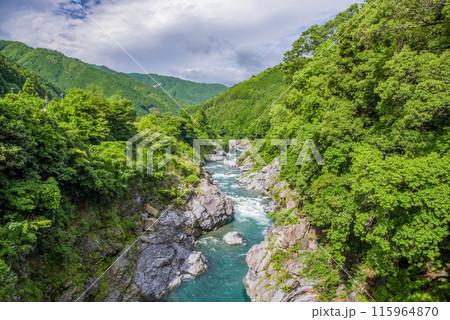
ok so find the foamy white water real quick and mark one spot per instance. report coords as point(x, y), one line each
point(226, 264)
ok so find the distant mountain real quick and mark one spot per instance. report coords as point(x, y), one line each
point(12, 79)
point(188, 91)
point(104, 68)
point(67, 73)
point(233, 111)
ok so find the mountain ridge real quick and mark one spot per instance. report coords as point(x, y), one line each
point(191, 92)
point(67, 73)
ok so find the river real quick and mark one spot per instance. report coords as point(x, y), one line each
point(226, 264)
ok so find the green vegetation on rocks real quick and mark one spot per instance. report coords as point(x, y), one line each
point(64, 180)
point(376, 104)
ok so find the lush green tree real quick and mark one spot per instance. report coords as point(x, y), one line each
point(64, 175)
point(28, 87)
point(81, 116)
point(120, 117)
point(370, 88)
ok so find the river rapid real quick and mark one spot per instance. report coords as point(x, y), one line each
point(226, 264)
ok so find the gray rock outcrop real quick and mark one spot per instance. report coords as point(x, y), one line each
point(163, 255)
point(233, 238)
point(263, 179)
point(209, 209)
point(148, 209)
point(262, 281)
point(283, 280)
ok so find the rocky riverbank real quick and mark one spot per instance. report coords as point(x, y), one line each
point(162, 257)
point(275, 265)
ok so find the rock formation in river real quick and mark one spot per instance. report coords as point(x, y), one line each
point(162, 256)
point(209, 208)
point(275, 265)
point(233, 238)
point(262, 281)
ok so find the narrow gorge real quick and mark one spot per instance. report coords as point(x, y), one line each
point(217, 245)
point(226, 263)
point(247, 272)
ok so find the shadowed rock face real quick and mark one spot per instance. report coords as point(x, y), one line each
point(163, 256)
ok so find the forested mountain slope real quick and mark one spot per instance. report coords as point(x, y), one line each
point(233, 111)
point(13, 78)
point(68, 73)
point(376, 104)
point(188, 91)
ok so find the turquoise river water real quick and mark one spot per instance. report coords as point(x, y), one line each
point(226, 264)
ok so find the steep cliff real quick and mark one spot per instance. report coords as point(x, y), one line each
point(275, 265)
point(162, 256)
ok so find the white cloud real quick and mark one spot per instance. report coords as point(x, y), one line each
point(203, 40)
point(210, 75)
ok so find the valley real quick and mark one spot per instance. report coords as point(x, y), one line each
point(114, 190)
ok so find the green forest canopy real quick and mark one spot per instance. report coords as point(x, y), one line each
point(64, 178)
point(376, 104)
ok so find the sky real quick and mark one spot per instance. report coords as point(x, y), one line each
point(211, 41)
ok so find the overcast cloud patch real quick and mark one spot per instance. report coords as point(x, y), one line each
point(201, 40)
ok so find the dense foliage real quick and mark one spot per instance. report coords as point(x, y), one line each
point(64, 178)
point(376, 104)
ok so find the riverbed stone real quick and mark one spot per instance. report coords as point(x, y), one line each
point(233, 238)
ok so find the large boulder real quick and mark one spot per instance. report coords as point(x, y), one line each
point(233, 238)
point(210, 208)
point(195, 264)
point(148, 209)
